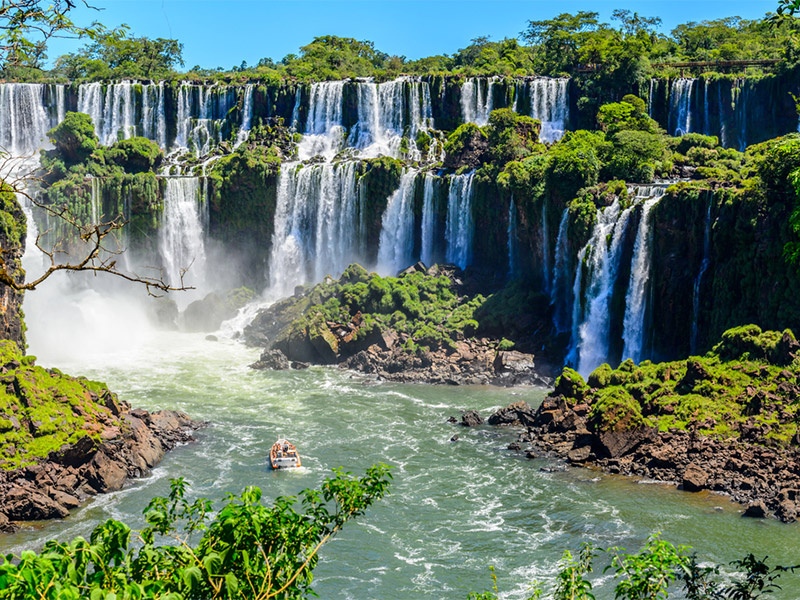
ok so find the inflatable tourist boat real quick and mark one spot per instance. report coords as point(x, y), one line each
point(283, 455)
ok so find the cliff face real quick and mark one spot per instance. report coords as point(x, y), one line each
point(12, 246)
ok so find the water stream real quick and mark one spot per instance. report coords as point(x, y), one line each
point(454, 508)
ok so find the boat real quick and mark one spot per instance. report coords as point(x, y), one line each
point(283, 455)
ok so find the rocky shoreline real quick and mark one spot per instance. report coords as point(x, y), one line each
point(130, 444)
point(472, 362)
point(424, 326)
point(724, 423)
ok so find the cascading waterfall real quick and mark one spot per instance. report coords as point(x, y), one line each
point(396, 248)
point(202, 111)
point(633, 334)
point(740, 94)
point(323, 133)
point(96, 201)
point(477, 102)
point(428, 227)
point(459, 229)
point(247, 115)
point(559, 289)
point(182, 233)
point(316, 218)
point(513, 259)
point(681, 105)
point(698, 281)
point(112, 113)
point(603, 263)
point(24, 119)
point(154, 120)
point(550, 104)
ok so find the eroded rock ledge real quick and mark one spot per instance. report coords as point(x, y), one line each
point(726, 422)
point(63, 439)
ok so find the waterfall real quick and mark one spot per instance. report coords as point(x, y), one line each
point(316, 222)
point(96, 201)
point(651, 98)
point(202, 113)
point(513, 259)
point(24, 120)
point(723, 129)
point(559, 289)
point(396, 248)
point(428, 221)
point(154, 121)
point(740, 108)
point(247, 115)
point(603, 264)
point(389, 111)
point(698, 281)
point(323, 133)
point(459, 229)
point(112, 112)
point(550, 105)
point(681, 105)
point(706, 115)
point(577, 307)
point(182, 232)
point(477, 102)
point(636, 299)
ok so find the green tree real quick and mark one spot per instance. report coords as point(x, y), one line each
point(26, 26)
point(114, 56)
point(247, 551)
point(74, 138)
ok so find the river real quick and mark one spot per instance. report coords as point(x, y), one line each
point(455, 508)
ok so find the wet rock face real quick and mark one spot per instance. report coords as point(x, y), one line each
point(59, 483)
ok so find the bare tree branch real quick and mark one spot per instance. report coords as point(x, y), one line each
point(99, 257)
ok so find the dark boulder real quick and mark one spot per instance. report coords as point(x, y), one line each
point(471, 418)
point(272, 359)
point(694, 478)
point(517, 413)
point(756, 510)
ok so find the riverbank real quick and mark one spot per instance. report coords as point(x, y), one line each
point(725, 422)
point(65, 439)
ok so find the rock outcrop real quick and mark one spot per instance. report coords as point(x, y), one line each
point(63, 439)
point(129, 447)
point(722, 423)
point(419, 327)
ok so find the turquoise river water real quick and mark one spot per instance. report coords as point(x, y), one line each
point(454, 508)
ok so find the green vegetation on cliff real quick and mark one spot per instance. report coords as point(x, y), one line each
point(41, 410)
point(747, 382)
point(427, 311)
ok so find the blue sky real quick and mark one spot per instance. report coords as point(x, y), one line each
point(226, 32)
